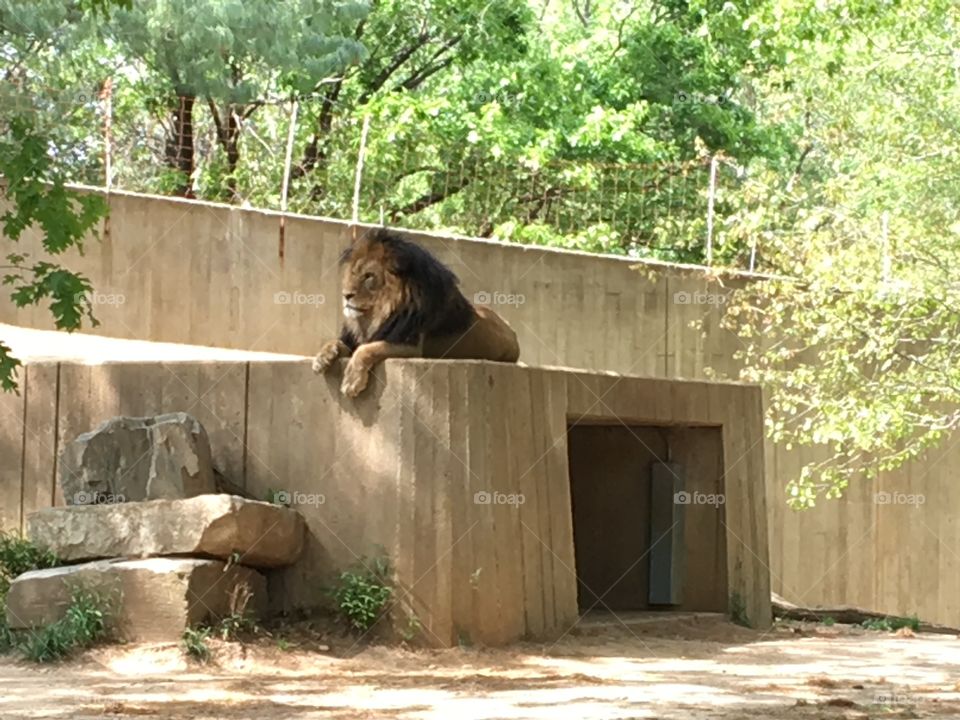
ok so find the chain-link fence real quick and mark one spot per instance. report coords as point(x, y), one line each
point(413, 169)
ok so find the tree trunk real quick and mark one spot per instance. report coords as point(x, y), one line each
point(233, 153)
point(179, 150)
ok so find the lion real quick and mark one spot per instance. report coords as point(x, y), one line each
point(399, 301)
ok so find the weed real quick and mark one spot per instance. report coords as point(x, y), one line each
point(738, 610)
point(362, 593)
point(239, 620)
point(413, 628)
point(83, 625)
point(17, 556)
point(195, 643)
point(891, 624)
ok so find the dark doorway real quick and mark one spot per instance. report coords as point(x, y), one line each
point(615, 512)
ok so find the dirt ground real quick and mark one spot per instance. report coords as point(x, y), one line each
point(691, 669)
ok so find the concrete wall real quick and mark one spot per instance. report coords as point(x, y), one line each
point(401, 468)
point(191, 272)
point(194, 272)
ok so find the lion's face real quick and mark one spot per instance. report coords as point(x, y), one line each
point(371, 290)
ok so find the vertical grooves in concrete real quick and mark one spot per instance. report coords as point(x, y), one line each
point(23, 447)
point(56, 441)
point(666, 327)
point(246, 424)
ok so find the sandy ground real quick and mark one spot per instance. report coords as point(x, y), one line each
point(694, 669)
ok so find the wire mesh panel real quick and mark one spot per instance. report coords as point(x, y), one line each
point(317, 161)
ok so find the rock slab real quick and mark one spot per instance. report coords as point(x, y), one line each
point(255, 533)
point(148, 600)
point(128, 459)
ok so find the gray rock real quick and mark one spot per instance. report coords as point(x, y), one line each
point(259, 533)
point(151, 600)
point(129, 459)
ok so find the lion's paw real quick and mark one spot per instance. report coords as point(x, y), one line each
point(326, 357)
point(355, 378)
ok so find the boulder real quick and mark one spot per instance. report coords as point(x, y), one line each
point(129, 459)
point(154, 599)
point(260, 533)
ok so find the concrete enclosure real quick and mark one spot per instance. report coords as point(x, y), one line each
point(191, 272)
point(462, 471)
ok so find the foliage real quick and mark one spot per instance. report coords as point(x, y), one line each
point(225, 55)
point(239, 620)
point(83, 625)
point(856, 337)
point(232, 626)
point(738, 610)
point(38, 199)
point(195, 643)
point(37, 150)
point(486, 117)
point(19, 555)
point(362, 593)
point(892, 624)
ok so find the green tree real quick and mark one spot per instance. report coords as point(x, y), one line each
point(542, 126)
point(230, 55)
point(858, 337)
point(34, 153)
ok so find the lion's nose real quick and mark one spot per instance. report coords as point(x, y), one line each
point(348, 296)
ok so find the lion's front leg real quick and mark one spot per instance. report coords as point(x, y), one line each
point(357, 375)
point(328, 355)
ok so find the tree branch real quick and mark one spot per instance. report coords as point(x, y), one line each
point(430, 198)
point(421, 75)
point(385, 74)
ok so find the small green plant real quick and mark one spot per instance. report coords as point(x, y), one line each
point(83, 625)
point(233, 626)
point(17, 556)
point(230, 627)
point(239, 620)
point(892, 624)
point(7, 640)
point(195, 643)
point(829, 621)
point(362, 593)
point(738, 610)
point(412, 629)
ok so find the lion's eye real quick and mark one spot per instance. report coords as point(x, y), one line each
point(368, 280)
